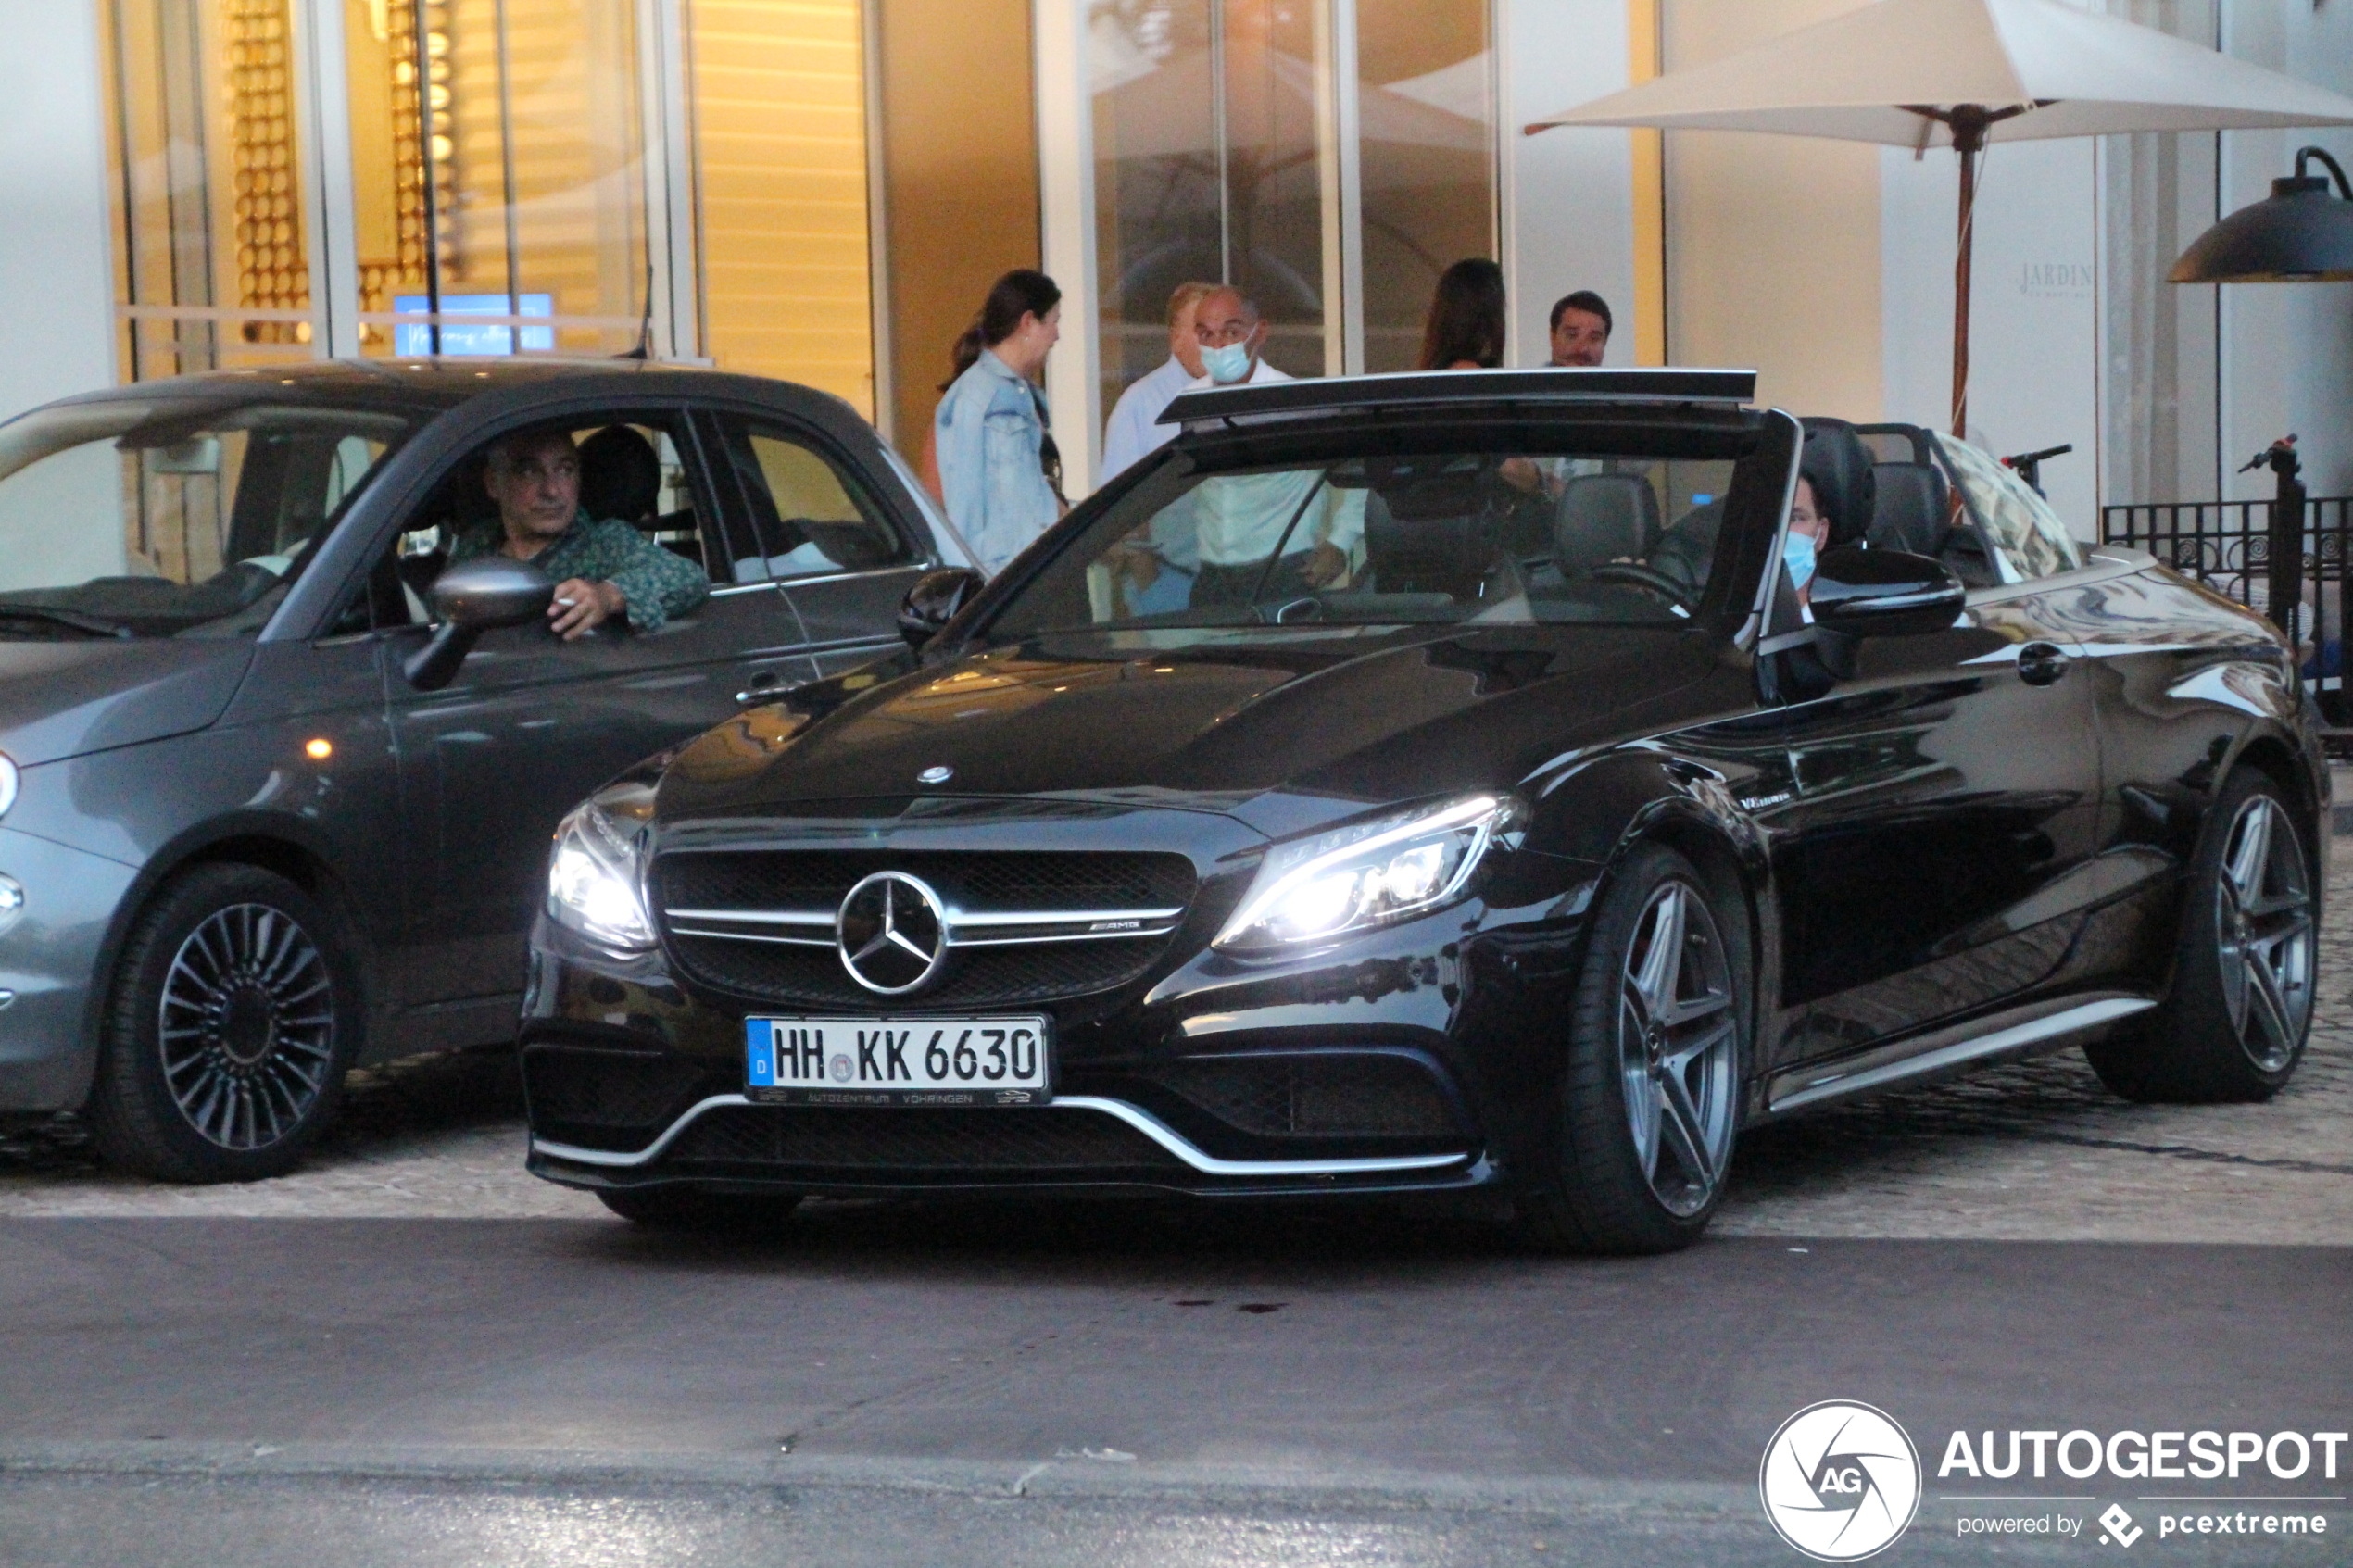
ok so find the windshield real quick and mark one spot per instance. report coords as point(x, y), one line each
point(1496, 537)
point(142, 518)
point(2029, 539)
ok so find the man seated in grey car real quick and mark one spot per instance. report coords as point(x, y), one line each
point(603, 567)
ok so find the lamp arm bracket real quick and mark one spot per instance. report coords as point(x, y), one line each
point(2309, 154)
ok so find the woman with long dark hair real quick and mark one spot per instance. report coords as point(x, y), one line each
point(999, 475)
point(1465, 328)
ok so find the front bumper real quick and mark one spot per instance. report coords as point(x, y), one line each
point(1416, 1058)
point(49, 959)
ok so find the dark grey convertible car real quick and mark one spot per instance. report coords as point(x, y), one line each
point(1444, 782)
point(241, 846)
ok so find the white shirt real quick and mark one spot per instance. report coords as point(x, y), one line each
point(1239, 518)
point(1135, 429)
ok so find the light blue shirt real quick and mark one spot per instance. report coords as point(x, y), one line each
point(1135, 428)
point(990, 432)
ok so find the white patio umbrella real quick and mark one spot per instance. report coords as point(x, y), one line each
point(1962, 73)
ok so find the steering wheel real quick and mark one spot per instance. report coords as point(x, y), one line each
point(1638, 576)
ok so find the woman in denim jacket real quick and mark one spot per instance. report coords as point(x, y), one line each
point(997, 464)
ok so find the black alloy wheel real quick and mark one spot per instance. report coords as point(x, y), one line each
point(1651, 1093)
point(233, 1016)
point(2233, 1025)
point(672, 1208)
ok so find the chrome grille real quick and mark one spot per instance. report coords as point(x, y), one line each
point(984, 977)
point(986, 883)
point(1019, 926)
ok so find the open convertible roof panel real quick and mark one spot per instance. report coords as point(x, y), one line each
point(1270, 401)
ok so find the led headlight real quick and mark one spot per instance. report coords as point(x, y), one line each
point(7, 785)
point(596, 878)
point(1368, 875)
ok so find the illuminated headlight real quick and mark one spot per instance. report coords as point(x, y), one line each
point(596, 881)
point(1354, 878)
point(8, 785)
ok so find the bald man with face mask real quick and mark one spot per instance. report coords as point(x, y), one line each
point(1133, 429)
point(1239, 521)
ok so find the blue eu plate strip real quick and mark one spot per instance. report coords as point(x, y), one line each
point(759, 1053)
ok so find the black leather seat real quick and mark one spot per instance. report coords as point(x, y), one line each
point(1603, 518)
point(1839, 467)
point(620, 476)
point(1912, 509)
point(1430, 525)
point(1446, 553)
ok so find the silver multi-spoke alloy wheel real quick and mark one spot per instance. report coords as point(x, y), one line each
point(2263, 926)
point(1678, 1049)
point(247, 1026)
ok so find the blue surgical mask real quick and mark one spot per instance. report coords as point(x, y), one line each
point(1227, 365)
point(1797, 553)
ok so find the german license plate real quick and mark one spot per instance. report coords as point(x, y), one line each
point(897, 1062)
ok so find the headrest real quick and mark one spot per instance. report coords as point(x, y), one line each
point(1436, 552)
point(1910, 512)
point(1420, 489)
point(619, 475)
point(1604, 517)
point(1837, 464)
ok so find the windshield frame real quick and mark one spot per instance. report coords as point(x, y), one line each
point(1749, 438)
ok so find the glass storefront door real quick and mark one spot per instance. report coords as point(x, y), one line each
point(499, 195)
point(214, 256)
point(492, 177)
point(1328, 157)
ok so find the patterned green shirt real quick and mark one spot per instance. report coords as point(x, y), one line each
point(654, 583)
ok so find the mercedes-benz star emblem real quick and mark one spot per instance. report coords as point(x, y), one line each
point(892, 933)
point(939, 773)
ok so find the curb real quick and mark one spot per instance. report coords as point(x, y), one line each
point(1067, 1477)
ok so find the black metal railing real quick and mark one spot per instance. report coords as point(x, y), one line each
point(2227, 545)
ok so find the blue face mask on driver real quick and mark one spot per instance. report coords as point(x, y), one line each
point(1797, 553)
point(1226, 364)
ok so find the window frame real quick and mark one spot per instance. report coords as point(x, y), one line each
point(860, 484)
point(678, 418)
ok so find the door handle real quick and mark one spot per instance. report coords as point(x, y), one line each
point(2039, 664)
point(764, 685)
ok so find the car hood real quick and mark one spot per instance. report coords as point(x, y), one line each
point(62, 699)
point(1224, 720)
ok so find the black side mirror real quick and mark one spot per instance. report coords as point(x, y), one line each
point(1883, 594)
point(471, 598)
point(934, 601)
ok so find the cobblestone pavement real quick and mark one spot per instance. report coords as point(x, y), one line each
point(2038, 1150)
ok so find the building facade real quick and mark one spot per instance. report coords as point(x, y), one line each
point(822, 189)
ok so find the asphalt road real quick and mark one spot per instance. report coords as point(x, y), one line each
point(410, 1354)
point(1089, 1384)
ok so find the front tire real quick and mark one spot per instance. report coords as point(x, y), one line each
point(1651, 1091)
point(233, 1015)
point(2233, 1025)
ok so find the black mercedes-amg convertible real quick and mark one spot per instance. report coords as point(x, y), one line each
point(1518, 780)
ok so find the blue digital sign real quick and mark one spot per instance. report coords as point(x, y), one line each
point(466, 338)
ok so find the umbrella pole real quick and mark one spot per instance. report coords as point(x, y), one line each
point(1969, 122)
point(1960, 295)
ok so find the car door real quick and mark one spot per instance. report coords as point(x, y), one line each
point(1944, 811)
point(824, 528)
point(530, 724)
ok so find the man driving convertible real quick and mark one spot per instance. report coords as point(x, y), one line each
point(603, 567)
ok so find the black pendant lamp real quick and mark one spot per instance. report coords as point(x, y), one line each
point(2301, 235)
